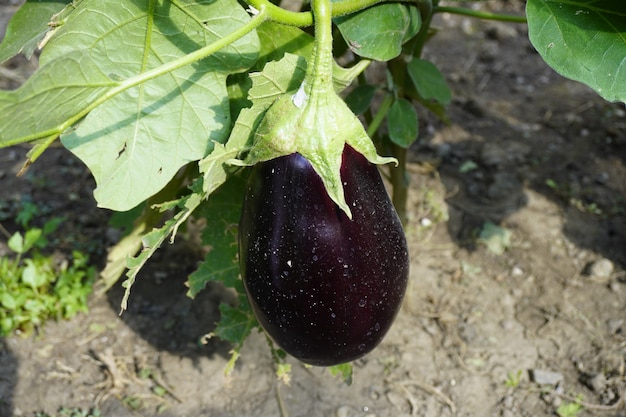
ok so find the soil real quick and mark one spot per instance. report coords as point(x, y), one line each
point(517, 296)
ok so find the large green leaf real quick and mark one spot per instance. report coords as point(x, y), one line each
point(380, 31)
point(28, 27)
point(134, 143)
point(584, 40)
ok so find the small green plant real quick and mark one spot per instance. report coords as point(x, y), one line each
point(35, 287)
point(513, 379)
point(569, 409)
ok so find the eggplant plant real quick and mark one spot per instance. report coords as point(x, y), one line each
point(186, 108)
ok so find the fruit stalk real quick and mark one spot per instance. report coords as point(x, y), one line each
point(319, 74)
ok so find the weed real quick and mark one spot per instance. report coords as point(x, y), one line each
point(513, 379)
point(35, 287)
point(569, 409)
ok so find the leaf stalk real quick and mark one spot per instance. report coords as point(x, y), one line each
point(480, 14)
point(304, 19)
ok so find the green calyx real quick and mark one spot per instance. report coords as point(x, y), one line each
point(314, 121)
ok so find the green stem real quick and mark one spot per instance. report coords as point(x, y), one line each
point(426, 12)
point(380, 115)
point(319, 73)
point(479, 14)
point(400, 182)
point(303, 19)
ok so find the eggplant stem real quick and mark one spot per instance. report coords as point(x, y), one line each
point(319, 74)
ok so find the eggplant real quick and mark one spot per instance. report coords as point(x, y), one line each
point(324, 287)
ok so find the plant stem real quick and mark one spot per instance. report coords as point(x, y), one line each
point(303, 19)
point(426, 12)
point(319, 74)
point(398, 175)
point(380, 115)
point(479, 14)
point(399, 182)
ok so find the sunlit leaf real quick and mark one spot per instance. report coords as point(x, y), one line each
point(28, 27)
point(277, 39)
point(380, 31)
point(276, 79)
point(584, 40)
point(134, 143)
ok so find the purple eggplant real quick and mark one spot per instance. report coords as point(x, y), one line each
point(324, 287)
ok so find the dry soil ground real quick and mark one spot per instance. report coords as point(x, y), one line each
point(517, 300)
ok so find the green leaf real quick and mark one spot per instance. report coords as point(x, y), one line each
point(28, 27)
point(73, 80)
point(429, 81)
point(344, 371)
point(584, 40)
point(52, 225)
point(222, 214)
point(276, 79)
point(134, 143)
point(31, 237)
point(402, 123)
point(235, 324)
point(154, 239)
point(8, 301)
point(31, 275)
point(16, 243)
point(277, 39)
point(496, 238)
point(360, 98)
point(380, 31)
point(27, 212)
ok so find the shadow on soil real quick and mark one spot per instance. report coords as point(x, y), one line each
point(579, 163)
point(159, 306)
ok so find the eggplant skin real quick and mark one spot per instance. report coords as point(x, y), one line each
point(325, 288)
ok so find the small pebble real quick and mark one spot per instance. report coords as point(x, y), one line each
point(600, 269)
point(517, 271)
point(425, 222)
point(343, 411)
point(543, 377)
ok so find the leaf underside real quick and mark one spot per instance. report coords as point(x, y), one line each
point(135, 142)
